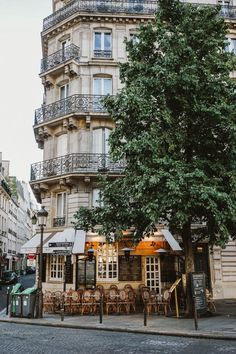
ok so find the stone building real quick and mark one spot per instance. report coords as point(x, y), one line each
point(15, 219)
point(82, 46)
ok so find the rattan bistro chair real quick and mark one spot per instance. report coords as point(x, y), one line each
point(163, 303)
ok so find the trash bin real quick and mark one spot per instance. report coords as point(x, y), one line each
point(28, 298)
point(16, 303)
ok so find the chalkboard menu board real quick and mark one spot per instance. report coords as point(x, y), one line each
point(68, 270)
point(130, 270)
point(86, 273)
point(198, 283)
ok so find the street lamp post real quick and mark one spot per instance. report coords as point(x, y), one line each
point(41, 218)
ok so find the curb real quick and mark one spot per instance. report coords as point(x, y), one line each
point(200, 335)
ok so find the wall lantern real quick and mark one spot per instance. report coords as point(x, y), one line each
point(127, 251)
point(90, 254)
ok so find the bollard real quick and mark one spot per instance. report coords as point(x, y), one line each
point(62, 314)
point(8, 294)
point(62, 310)
point(101, 308)
point(195, 313)
point(145, 313)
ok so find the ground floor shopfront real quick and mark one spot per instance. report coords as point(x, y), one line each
point(156, 262)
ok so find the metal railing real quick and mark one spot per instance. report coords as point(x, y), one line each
point(100, 6)
point(102, 53)
point(59, 221)
point(70, 105)
point(68, 53)
point(138, 7)
point(76, 163)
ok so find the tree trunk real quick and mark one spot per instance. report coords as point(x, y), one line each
point(189, 266)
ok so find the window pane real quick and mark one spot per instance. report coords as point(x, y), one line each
point(107, 41)
point(97, 40)
point(107, 86)
point(97, 87)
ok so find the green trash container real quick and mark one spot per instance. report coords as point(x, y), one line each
point(16, 303)
point(28, 298)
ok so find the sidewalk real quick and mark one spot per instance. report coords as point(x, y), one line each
point(221, 325)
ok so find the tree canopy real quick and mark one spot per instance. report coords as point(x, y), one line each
point(175, 128)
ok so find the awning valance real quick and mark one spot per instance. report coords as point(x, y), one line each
point(32, 245)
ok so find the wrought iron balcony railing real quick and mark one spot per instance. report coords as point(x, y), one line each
point(70, 105)
point(100, 6)
point(52, 61)
point(102, 53)
point(59, 222)
point(76, 163)
point(116, 6)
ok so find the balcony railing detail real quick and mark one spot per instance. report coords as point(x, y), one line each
point(102, 53)
point(59, 222)
point(68, 53)
point(116, 6)
point(102, 6)
point(70, 105)
point(76, 163)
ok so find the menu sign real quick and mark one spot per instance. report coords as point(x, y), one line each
point(68, 270)
point(198, 283)
point(130, 270)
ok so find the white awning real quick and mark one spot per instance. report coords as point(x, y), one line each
point(171, 240)
point(79, 242)
point(61, 241)
point(32, 245)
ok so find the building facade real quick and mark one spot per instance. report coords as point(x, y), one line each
point(16, 210)
point(82, 46)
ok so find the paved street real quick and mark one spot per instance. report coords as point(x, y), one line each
point(26, 280)
point(34, 339)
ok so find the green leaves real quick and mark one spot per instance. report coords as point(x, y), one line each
point(175, 126)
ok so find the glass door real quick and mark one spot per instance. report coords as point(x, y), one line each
point(153, 277)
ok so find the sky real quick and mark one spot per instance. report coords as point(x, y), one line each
point(21, 89)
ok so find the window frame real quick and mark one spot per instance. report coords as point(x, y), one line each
point(56, 261)
point(103, 264)
point(101, 51)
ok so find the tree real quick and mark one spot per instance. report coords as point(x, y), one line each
point(175, 127)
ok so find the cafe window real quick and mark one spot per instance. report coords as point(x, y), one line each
point(107, 262)
point(56, 267)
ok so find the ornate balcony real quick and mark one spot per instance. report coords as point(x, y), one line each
point(60, 57)
point(130, 7)
point(70, 105)
point(59, 222)
point(100, 6)
point(77, 164)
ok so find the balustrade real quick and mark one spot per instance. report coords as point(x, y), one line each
point(70, 105)
point(68, 53)
point(102, 6)
point(139, 7)
point(76, 163)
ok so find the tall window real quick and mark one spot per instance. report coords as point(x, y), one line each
point(133, 37)
point(56, 267)
point(100, 140)
point(61, 205)
point(107, 262)
point(96, 197)
point(102, 86)
point(231, 45)
point(102, 44)
point(64, 91)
